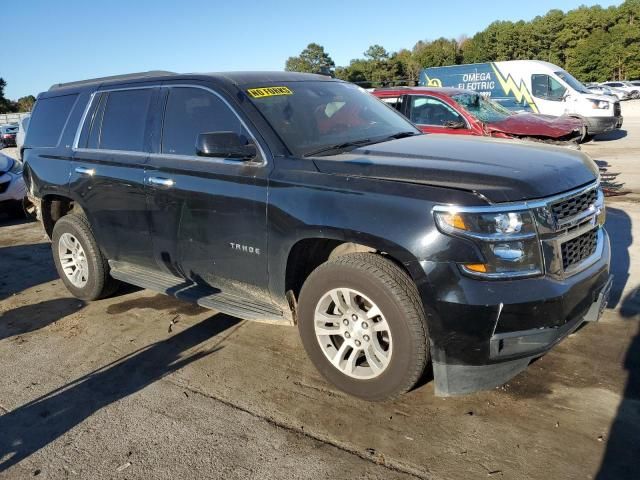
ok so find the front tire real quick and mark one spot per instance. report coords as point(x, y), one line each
point(363, 326)
point(81, 265)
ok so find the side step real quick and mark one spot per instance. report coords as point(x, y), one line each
point(190, 291)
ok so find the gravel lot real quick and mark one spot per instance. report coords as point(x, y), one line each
point(145, 386)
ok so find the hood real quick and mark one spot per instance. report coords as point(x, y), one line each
point(531, 124)
point(501, 170)
point(5, 163)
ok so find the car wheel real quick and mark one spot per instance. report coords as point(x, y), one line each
point(362, 324)
point(81, 265)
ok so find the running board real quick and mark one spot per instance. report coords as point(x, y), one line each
point(190, 291)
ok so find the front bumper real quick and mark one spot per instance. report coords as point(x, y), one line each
point(483, 333)
point(597, 125)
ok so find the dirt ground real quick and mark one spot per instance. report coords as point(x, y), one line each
point(145, 386)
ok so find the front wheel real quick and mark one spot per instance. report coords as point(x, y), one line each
point(363, 326)
point(80, 263)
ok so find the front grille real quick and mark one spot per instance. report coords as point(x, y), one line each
point(616, 109)
point(4, 186)
point(580, 248)
point(574, 205)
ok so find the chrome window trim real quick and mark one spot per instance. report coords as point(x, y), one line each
point(75, 147)
point(112, 152)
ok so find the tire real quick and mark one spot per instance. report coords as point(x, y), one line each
point(95, 281)
point(374, 280)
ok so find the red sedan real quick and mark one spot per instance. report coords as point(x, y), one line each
point(465, 112)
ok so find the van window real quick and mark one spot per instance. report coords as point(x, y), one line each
point(124, 120)
point(547, 87)
point(431, 111)
point(190, 112)
point(49, 118)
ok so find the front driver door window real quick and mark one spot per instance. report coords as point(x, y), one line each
point(432, 112)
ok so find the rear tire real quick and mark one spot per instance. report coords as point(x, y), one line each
point(371, 355)
point(83, 268)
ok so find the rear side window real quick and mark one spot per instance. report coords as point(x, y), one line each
point(48, 119)
point(124, 120)
point(190, 112)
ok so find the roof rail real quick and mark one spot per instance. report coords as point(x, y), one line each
point(113, 78)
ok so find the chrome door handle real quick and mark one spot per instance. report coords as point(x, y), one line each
point(85, 171)
point(161, 182)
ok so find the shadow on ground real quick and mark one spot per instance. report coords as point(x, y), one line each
point(30, 265)
point(622, 456)
point(29, 318)
point(612, 135)
point(34, 425)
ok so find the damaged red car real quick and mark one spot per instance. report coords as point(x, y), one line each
point(465, 112)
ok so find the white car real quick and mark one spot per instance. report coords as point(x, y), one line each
point(629, 87)
point(610, 91)
point(12, 188)
point(23, 124)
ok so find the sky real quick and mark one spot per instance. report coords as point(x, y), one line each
point(65, 40)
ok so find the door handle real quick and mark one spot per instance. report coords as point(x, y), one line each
point(161, 182)
point(85, 171)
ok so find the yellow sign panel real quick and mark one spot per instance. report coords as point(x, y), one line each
point(268, 92)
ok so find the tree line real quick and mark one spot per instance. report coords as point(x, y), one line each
point(594, 44)
point(23, 104)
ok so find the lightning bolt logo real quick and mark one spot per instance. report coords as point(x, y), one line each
point(433, 82)
point(520, 92)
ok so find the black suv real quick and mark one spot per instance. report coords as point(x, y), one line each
point(300, 199)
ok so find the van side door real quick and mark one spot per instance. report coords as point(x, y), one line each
point(107, 174)
point(208, 215)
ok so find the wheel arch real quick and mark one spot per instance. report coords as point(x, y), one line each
point(313, 249)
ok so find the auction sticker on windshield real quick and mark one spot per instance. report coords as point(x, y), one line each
point(269, 92)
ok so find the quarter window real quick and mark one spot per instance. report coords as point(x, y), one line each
point(547, 87)
point(190, 112)
point(124, 120)
point(49, 118)
point(431, 111)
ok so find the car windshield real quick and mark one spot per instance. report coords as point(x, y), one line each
point(485, 110)
point(571, 81)
point(327, 117)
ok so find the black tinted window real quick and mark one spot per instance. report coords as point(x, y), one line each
point(190, 112)
point(124, 120)
point(48, 120)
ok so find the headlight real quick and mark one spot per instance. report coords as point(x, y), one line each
point(599, 104)
point(508, 241)
point(16, 168)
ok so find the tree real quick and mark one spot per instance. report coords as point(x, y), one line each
point(593, 43)
point(312, 59)
point(6, 105)
point(25, 104)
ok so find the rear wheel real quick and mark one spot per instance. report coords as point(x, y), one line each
point(363, 326)
point(78, 259)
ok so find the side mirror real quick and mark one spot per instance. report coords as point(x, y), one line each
point(455, 125)
point(224, 145)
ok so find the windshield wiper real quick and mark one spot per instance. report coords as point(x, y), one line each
point(398, 135)
point(339, 146)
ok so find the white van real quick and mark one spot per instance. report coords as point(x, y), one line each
point(531, 85)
